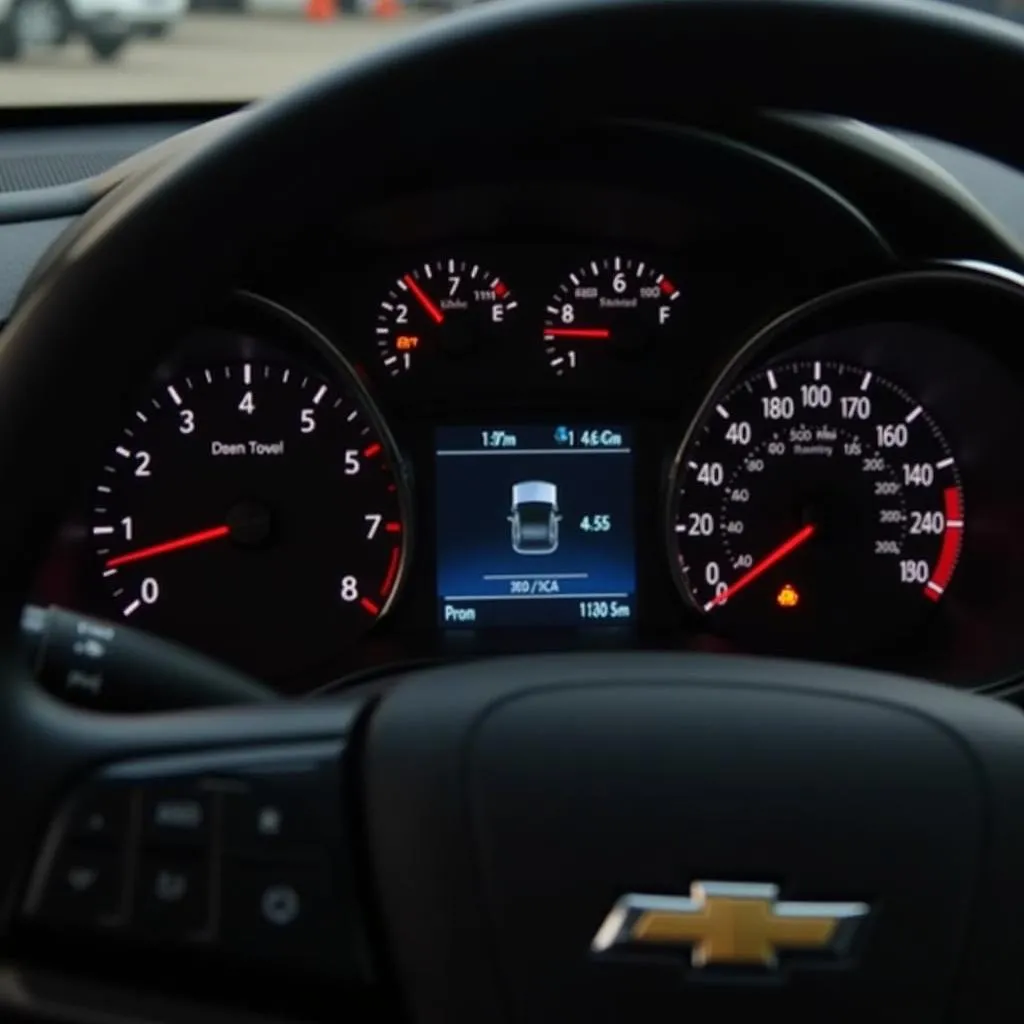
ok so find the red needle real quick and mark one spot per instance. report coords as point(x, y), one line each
point(763, 566)
point(423, 299)
point(577, 332)
point(179, 543)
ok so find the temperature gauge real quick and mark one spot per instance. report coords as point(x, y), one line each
point(616, 306)
point(444, 307)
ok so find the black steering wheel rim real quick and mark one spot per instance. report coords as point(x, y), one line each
point(146, 261)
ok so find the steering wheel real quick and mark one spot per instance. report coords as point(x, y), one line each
point(547, 838)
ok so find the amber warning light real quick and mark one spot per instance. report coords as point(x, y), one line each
point(787, 597)
point(407, 342)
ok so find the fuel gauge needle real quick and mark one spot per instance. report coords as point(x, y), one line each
point(776, 556)
point(423, 299)
point(577, 332)
point(190, 540)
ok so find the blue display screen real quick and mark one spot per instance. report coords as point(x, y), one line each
point(534, 526)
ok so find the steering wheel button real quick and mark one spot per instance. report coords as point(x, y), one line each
point(173, 897)
point(267, 819)
point(284, 912)
point(252, 822)
point(100, 816)
point(83, 890)
point(178, 814)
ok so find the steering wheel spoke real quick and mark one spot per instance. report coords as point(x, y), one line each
point(221, 835)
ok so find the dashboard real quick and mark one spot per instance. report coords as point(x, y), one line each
point(690, 399)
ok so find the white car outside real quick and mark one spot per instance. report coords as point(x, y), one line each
point(155, 17)
point(28, 25)
point(105, 25)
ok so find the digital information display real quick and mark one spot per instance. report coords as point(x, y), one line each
point(534, 526)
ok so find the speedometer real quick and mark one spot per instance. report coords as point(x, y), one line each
point(816, 502)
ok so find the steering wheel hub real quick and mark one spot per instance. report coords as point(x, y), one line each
point(600, 838)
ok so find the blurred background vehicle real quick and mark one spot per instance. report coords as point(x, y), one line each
point(441, 5)
point(105, 25)
point(155, 19)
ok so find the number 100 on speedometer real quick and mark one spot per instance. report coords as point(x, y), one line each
point(815, 503)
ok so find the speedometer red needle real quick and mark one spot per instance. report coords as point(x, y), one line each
point(785, 548)
point(190, 540)
point(577, 332)
point(423, 299)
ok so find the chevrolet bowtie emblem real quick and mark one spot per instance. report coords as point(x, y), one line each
point(730, 923)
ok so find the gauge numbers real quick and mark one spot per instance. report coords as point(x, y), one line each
point(816, 501)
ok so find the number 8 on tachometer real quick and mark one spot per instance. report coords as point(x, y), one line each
point(816, 505)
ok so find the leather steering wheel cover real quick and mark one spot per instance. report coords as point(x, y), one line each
point(143, 263)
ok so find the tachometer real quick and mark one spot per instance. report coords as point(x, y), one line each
point(817, 502)
point(616, 306)
point(255, 511)
point(444, 307)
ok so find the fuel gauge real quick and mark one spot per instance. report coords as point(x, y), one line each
point(616, 306)
point(446, 307)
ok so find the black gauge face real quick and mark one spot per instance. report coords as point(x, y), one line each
point(819, 505)
point(612, 307)
point(253, 511)
point(445, 308)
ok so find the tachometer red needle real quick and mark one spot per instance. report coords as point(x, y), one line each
point(188, 541)
point(423, 299)
point(577, 332)
point(763, 566)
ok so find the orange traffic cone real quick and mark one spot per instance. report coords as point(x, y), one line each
point(319, 10)
point(386, 8)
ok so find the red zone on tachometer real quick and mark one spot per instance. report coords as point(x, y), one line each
point(392, 574)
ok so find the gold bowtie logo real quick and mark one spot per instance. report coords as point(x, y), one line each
point(730, 923)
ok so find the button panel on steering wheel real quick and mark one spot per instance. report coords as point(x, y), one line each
point(240, 853)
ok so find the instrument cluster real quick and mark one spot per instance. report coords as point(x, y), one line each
point(843, 485)
point(456, 459)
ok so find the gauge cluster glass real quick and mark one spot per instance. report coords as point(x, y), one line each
point(838, 485)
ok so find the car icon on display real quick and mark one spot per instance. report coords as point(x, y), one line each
point(534, 517)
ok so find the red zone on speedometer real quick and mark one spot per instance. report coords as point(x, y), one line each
point(952, 540)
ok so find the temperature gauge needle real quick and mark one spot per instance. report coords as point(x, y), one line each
point(776, 556)
point(190, 540)
point(577, 332)
point(423, 299)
